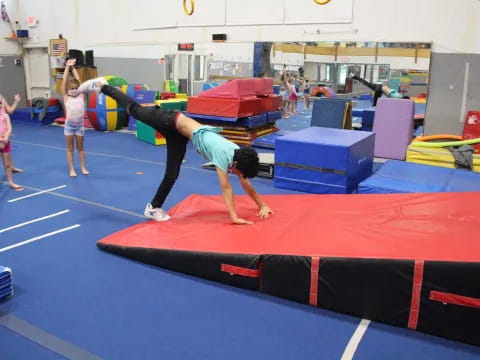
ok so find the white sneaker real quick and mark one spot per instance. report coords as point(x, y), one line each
point(155, 213)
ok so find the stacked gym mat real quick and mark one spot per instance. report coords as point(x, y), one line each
point(403, 177)
point(322, 160)
point(246, 109)
point(32, 115)
point(6, 288)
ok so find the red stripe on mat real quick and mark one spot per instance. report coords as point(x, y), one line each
point(314, 269)
point(416, 292)
point(454, 299)
point(237, 270)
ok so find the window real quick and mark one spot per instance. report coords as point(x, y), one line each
point(169, 67)
point(199, 65)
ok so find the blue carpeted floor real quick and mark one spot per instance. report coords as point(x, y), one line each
point(115, 308)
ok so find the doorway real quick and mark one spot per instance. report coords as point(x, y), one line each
point(37, 72)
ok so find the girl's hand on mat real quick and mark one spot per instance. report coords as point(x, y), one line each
point(265, 212)
point(239, 221)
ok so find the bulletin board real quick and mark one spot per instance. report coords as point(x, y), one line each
point(58, 52)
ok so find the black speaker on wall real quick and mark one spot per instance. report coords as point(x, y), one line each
point(89, 59)
point(78, 55)
point(219, 37)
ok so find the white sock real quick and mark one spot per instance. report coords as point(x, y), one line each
point(92, 85)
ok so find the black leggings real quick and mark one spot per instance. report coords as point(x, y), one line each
point(163, 122)
point(375, 87)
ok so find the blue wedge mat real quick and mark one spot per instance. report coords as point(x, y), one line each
point(328, 113)
point(402, 177)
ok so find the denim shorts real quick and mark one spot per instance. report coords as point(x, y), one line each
point(69, 130)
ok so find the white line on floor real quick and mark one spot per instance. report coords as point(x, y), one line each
point(355, 340)
point(37, 193)
point(88, 202)
point(34, 220)
point(161, 163)
point(39, 237)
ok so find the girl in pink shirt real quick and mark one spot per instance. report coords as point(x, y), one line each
point(5, 133)
point(74, 130)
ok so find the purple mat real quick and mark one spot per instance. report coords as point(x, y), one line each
point(393, 127)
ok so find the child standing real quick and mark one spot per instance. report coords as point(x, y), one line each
point(306, 94)
point(5, 133)
point(284, 95)
point(74, 130)
point(10, 109)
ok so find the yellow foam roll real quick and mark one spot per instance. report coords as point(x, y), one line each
point(436, 157)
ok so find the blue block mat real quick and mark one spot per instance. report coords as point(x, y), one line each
point(273, 116)
point(24, 115)
point(397, 176)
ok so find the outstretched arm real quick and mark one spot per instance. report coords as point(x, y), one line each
point(264, 211)
point(66, 71)
point(74, 72)
point(227, 192)
point(11, 109)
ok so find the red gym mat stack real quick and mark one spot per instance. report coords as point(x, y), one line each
point(244, 108)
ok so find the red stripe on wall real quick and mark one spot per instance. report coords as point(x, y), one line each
point(454, 299)
point(237, 270)
point(314, 269)
point(416, 292)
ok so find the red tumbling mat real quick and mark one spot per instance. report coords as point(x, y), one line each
point(410, 260)
point(234, 89)
point(264, 86)
point(235, 108)
point(271, 103)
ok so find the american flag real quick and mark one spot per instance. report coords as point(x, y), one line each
point(58, 49)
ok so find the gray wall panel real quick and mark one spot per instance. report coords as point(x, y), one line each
point(445, 92)
point(135, 71)
point(12, 79)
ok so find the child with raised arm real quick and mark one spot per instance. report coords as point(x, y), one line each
point(11, 109)
point(178, 129)
point(74, 129)
point(5, 133)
